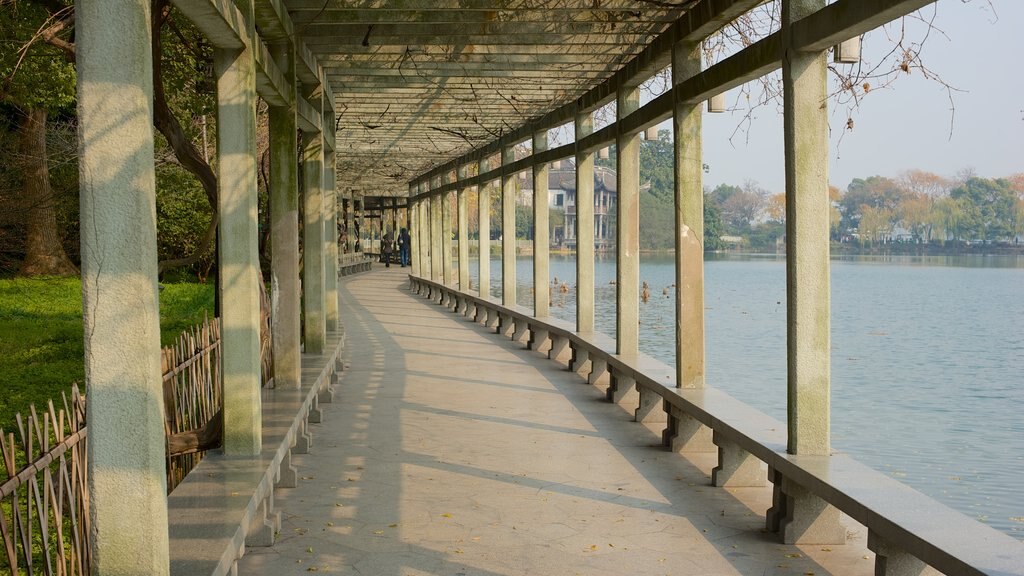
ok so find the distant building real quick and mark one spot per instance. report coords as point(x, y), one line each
point(562, 197)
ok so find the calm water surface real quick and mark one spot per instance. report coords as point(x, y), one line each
point(927, 360)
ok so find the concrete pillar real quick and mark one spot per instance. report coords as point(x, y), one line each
point(330, 227)
point(414, 231)
point(446, 239)
point(313, 285)
point(807, 234)
point(127, 482)
point(238, 258)
point(463, 202)
point(689, 197)
point(689, 434)
point(436, 245)
point(284, 235)
point(508, 229)
point(541, 241)
point(395, 224)
point(808, 519)
point(484, 233)
point(584, 227)
point(627, 246)
point(350, 223)
point(424, 224)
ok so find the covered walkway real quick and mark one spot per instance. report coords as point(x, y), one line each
point(451, 450)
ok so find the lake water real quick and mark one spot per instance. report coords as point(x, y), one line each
point(927, 360)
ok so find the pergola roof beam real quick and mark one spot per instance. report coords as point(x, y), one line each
point(219, 21)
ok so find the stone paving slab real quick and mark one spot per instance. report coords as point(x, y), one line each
point(449, 450)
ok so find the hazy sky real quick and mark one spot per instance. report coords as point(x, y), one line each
point(908, 126)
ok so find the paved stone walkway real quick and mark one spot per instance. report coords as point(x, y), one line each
point(452, 451)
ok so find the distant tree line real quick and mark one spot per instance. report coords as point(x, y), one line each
point(915, 207)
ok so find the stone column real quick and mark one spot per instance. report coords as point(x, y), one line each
point(436, 239)
point(127, 482)
point(508, 229)
point(541, 240)
point(584, 226)
point(350, 223)
point(363, 230)
point(238, 258)
point(284, 234)
point(686, 63)
point(313, 284)
point(688, 434)
point(414, 231)
point(446, 239)
point(627, 245)
point(807, 233)
point(463, 202)
point(330, 227)
point(424, 227)
point(809, 519)
point(484, 233)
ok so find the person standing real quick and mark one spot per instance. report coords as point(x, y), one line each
point(387, 247)
point(404, 245)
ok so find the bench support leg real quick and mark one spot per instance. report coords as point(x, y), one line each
point(315, 415)
point(491, 319)
point(598, 368)
point(578, 362)
point(736, 466)
point(288, 476)
point(684, 433)
point(807, 519)
point(538, 337)
point(559, 344)
point(326, 393)
point(520, 332)
point(265, 524)
point(506, 326)
point(893, 561)
point(647, 409)
point(619, 387)
point(304, 440)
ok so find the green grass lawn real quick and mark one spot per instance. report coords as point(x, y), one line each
point(41, 338)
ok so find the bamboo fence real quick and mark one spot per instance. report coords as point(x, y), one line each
point(44, 502)
point(44, 506)
point(192, 398)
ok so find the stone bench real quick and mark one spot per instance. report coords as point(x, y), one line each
point(907, 530)
point(349, 264)
point(227, 503)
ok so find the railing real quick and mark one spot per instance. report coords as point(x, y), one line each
point(906, 529)
point(44, 508)
point(193, 398)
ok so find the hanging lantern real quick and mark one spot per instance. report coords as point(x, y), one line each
point(847, 52)
point(603, 154)
point(651, 133)
point(716, 103)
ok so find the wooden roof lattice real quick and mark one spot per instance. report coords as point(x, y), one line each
point(417, 83)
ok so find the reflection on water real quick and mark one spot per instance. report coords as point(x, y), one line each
point(927, 359)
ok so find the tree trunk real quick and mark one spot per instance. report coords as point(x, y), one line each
point(44, 253)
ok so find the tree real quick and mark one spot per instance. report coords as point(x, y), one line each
point(875, 192)
point(924, 183)
point(915, 214)
point(992, 207)
point(713, 229)
point(38, 80)
point(875, 223)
